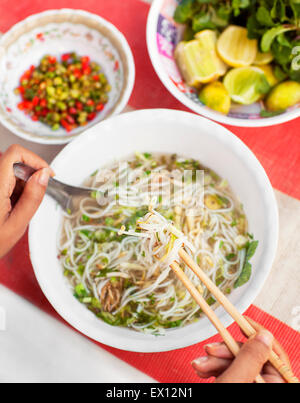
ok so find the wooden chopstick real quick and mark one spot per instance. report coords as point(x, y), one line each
point(210, 313)
point(246, 327)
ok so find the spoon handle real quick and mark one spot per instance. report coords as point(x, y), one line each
point(57, 190)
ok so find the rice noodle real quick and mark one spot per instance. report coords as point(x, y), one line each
point(123, 249)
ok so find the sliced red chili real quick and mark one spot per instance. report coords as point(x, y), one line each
point(91, 116)
point(72, 111)
point(70, 119)
point(99, 107)
point(35, 101)
point(86, 70)
point(43, 103)
point(52, 59)
point(77, 73)
point(65, 57)
point(79, 106)
point(66, 125)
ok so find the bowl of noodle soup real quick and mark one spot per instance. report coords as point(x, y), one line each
point(105, 266)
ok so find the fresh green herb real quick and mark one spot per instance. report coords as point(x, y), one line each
point(109, 221)
point(211, 301)
point(85, 233)
point(95, 194)
point(231, 256)
point(94, 173)
point(104, 272)
point(85, 218)
point(251, 249)
point(81, 269)
point(269, 114)
point(247, 268)
point(80, 292)
point(274, 23)
point(176, 323)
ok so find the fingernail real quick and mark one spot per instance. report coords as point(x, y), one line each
point(213, 345)
point(200, 360)
point(265, 337)
point(43, 178)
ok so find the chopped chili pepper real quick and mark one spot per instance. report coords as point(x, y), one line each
point(86, 71)
point(99, 107)
point(65, 57)
point(63, 93)
point(72, 111)
point(91, 116)
point(66, 125)
point(35, 101)
point(43, 103)
point(85, 60)
point(79, 106)
point(52, 59)
point(70, 119)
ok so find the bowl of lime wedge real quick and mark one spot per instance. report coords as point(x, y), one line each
point(226, 61)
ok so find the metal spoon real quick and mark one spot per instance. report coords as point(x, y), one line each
point(64, 194)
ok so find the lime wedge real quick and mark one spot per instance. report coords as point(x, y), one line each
point(269, 73)
point(216, 97)
point(246, 85)
point(263, 58)
point(283, 96)
point(235, 48)
point(198, 60)
point(208, 39)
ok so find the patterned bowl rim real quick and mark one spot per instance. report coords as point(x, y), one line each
point(152, 24)
point(90, 20)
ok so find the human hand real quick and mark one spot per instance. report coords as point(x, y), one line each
point(16, 210)
point(251, 361)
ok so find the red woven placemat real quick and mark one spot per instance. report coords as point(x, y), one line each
point(278, 148)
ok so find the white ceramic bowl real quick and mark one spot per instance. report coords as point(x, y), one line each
point(163, 34)
point(57, 32)
point(157, 130)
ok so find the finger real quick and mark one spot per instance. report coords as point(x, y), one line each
point(219, 350)
point(13, 155)
point(28, 204)
point(17, 153)
point(277, 348)
point(250, 360)
point(206, 367)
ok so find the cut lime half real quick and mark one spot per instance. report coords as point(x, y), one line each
point(246, 85)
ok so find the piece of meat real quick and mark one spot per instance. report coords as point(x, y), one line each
point(111, 296)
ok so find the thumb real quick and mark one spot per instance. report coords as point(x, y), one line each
point(250, 360)
point(29, 202)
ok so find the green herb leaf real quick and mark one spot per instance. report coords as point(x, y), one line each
point(251, 249)
point(184, 11)
point(247, 268)
point(244, 276)
point(271, 34)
